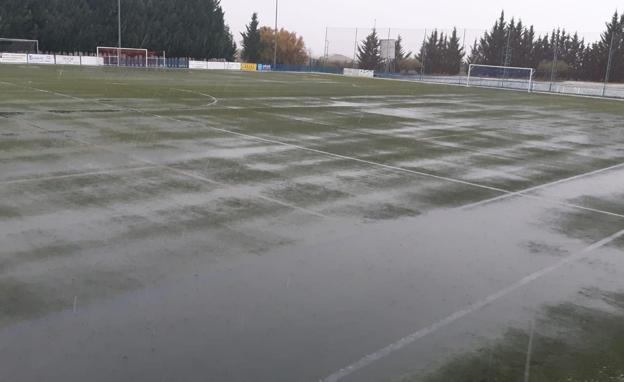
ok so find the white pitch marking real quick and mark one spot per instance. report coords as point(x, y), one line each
point(214, 99)
point(527, 365)
point(542, 186)
point(506, 193)
point(186, 173)
point(409, 339)
point(76, 175)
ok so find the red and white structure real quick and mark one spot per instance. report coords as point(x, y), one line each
point(137, 57)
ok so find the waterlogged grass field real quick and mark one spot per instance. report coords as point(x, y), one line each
point(229, 226)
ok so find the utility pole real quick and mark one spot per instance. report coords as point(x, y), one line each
point(553, 67)
point(118, 31)
point(275, 47)
point(119, 23)
point(606, 78)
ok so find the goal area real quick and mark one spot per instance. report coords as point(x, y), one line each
point(508, 77)
point(132, 57)
point(18, 45)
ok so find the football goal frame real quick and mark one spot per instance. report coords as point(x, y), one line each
point(5, 40)
point(118, 53)
point(502, 75)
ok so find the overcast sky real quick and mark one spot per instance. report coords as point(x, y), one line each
point(310, 17)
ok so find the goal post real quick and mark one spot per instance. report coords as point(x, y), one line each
point(18, 45)
point(112, 56)
point(508, 77)
point(136, 57)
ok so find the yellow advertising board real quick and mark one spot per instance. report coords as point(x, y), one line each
point(248, 67)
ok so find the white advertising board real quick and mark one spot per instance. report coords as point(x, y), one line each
point(67, 60)
point(92, 61)
point(198, 64)
point(13, 58)
point(358, 73)
point(232, 66)
point(216, 65)
point(387, 49)
point(41, 59)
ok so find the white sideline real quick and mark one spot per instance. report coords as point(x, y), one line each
point(541, 186)
point(339, 156)
point(409, 339)
point(401, 169)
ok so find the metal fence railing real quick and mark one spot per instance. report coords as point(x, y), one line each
point(588, 64)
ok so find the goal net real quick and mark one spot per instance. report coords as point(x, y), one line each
point(17, 45)
point(500, 77)
point(133, 57)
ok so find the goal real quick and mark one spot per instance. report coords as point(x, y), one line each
point(18, 45)
point(136, 57)
point(500, 77)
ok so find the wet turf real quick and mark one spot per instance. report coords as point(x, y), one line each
point(308, 219)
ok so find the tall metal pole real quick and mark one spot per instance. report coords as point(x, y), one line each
point(118, 31)
point(462, 61)
point(606, 78)
point(553, 67)
point(275, 47)
point(388, 53)
point(355, 44)
point(423, 49)
point(325, 48)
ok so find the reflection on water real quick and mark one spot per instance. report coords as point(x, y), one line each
point(580, 341)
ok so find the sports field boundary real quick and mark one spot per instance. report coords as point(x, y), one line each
point(542, 186)
point(339, 156)
point(386, 351)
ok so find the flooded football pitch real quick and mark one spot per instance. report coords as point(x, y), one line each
point(226, 226)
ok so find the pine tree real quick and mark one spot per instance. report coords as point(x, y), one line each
point(454, 54)
point(574, 56)
point(193, 28)
point(610, 45)
point(476, 54)
point(399, 54)
point(494, 43)
point(369, 56)
point(526, 50)
point(429, 56)
point(439, 64)
point(251, 41)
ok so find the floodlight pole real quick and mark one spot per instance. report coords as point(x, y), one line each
point(119, 24)
point(275, 47)
point(606, 78)
point(355, 45)
point(118, 31)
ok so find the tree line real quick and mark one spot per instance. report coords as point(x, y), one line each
point(258, 45)
point(183, 28)
point(509, 43)
point(513, 44)
point(439, 54)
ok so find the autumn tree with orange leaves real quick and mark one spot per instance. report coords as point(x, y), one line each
point(291, 49)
